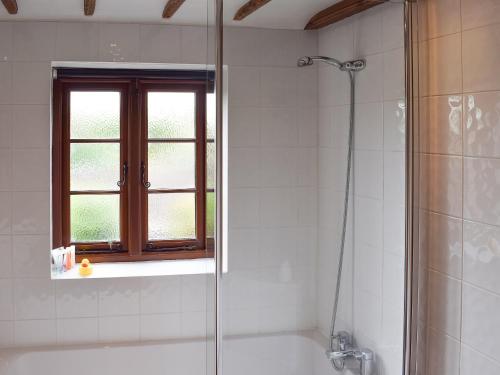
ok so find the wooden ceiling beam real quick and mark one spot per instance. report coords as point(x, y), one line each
point(10, 5)
point(250, 7)
point(172, 7)
point(339, 11)
point(89, 7)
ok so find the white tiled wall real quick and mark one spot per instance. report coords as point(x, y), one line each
point(273, 131)
point(459, 55)
point(371, 303)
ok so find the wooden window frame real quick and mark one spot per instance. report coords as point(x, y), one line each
point(134, 244)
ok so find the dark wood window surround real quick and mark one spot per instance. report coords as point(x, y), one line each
point(134, 244)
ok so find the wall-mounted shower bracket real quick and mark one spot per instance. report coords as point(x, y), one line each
point(363, 358)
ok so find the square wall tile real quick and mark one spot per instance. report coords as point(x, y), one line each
point(395, 177)
point(31, 170)
point(481, 190)
point(369, 131)
point(31, 126)
point(160, 295)
point(278, 47)
point(119, 297)
point(473, 362)
point(441, 236)
point(34, 299)
point(242, 46)
point(77, 298)
point(244, 126)
point(481, 256)
point(244, 208)
point(481, 51)
point(119, 42)
point(34, 41)
point(31, 213)
point(441, 184)
point(392, 24)
point(31, 256)
point(368, 32)
point(438, 18)
point(279, 127)
point(196, 46)
point(441, 124)
point(480, 321)
point(394, 74)
point(244, 86)
point(31, 83)
point(369, 81)
point(369, 174)
point(477, 13)
point(278, 87)
point(443, 354)
point(77, 331)
point(444, 303)
point(119, 328)
point(278, 207)
point(160, 326)
point(481, 124)
point(77, 41)
point(440, 64)
point(160, 43)
point(35, 332)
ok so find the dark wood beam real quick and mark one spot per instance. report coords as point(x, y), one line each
point(339, 11)
point(10, 5)
point(171, 7)
point(249, 8)
point(89, 7)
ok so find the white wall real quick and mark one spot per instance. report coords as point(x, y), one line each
point(272, 189)
point(460, 122)
point(372, 285)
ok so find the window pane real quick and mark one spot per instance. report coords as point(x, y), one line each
point(94, 114)
point(210, 215)
point(211, 116)
point(210, 165)
point(171, 115)
point(172, 216)
point(95, 218)
point(171, 166)
point(95, 166)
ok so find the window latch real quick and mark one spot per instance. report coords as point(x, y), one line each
point(145, 183)
point(123, 181)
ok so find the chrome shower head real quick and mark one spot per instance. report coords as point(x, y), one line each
point(354, 65)
point(304, 61)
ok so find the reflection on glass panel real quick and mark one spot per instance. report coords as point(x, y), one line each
point(171, 165)
point(210, 215)
point(210, 165)
point(94, 166)
point(171, 115)
point(94, 115)
point(211, 116)
point(171, 216)
point(95, 218)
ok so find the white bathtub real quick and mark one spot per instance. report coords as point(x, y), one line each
point(284, 354)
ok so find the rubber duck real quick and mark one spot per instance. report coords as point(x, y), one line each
point(85, 268)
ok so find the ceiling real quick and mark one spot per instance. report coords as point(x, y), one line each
point(279, 14)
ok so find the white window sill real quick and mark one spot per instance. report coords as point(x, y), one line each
point(142, 269)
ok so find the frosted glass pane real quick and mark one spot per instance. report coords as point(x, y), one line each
point(210, 165)
point(94, 114)
point(95, 218)
point(210, 215)
point(171, 115)
point(95, 166)
point(171, 166)
point(211, 116)
point(172, 216)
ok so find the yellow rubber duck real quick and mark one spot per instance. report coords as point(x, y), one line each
point(85, 268)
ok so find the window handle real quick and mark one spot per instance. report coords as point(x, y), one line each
point(122, 182)
point(145, 183)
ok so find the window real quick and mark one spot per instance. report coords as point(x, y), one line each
point(133, 156)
